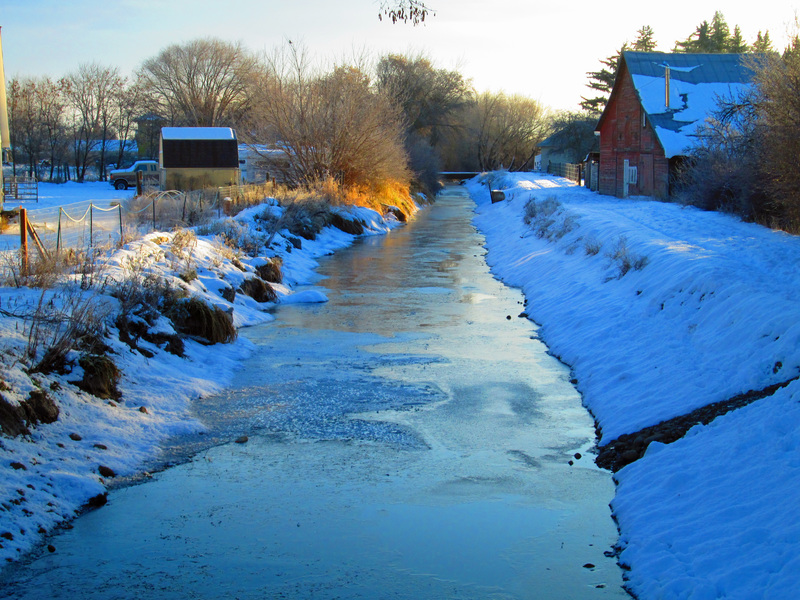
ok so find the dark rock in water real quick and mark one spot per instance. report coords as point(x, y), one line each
point(578, 456)
point(75, 437)
point(143, 410)
point(18, 465)
point(101, 446)
point(242, 440)
point(588, 566)
point(51, 548)
point(106, 471)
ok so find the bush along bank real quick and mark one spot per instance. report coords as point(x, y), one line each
point(100, 362)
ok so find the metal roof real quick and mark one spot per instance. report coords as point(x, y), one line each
point(691, 68)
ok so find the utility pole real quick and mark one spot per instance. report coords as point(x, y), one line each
point(5, 139)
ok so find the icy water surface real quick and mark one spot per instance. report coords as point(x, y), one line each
point(407, 440)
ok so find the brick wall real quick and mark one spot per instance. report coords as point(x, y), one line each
point(623, 135)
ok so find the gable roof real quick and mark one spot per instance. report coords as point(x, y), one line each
point(697, 82)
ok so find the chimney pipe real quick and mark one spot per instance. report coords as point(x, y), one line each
point(666, 86)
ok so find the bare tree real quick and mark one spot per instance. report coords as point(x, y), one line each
point(429, 97)
point(37, 108)
point(204, 82)
point(129, 104)
point(404, 11)
point(507, 130)
point(332, 125)
point(778, 109)
point(91, 91)
point(24, 127)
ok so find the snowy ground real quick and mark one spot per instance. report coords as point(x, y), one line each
point(47, 476)
point(708, 309)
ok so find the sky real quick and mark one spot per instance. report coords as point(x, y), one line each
point(542, 50)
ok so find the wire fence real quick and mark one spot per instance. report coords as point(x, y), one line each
point(20, 187)
point(101, 224)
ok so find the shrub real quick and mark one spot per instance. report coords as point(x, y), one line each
point(592, 246)
point(548, 219)
point(623, 258)
point(236, 236)
point(271, 271)
point(56, 326)
point(100, 376)
point(195, 318)
point(258, 290)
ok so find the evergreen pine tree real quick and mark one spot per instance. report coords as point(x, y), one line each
point(736, 43)
point(602, 81)
point(699, 41)
point(763, 44)
point(645, 40)
point(719, 34)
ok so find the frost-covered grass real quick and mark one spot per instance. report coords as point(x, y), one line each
point(135, 293)
point(661, 309)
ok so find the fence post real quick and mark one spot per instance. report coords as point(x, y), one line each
point(91, 224)
point(154, 214)
point(121, 233)
point(23, 240)
point(58, 236)
point(139, 182)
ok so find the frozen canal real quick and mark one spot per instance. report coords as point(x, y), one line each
point(406, 440)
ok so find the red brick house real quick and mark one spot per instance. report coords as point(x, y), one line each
point(656, 106)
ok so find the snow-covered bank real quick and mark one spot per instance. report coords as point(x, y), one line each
point(50, 474)
point(659, 310)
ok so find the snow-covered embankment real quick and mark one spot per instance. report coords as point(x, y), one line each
point(660, 310)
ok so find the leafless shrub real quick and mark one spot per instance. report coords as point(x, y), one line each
point(592, 246)
point(624, 259)
point(236, 237)
point(60, 322)
point(547, 219)
point(141, 292)
point(45, 272)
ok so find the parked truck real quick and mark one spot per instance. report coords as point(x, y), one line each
point(122, 179)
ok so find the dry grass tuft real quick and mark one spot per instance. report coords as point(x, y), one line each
point(195, 318)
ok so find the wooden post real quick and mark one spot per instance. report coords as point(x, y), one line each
point(139, 182)
point(23, 240)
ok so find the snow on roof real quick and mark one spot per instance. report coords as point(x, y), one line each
point(697, 83)
point(198, 133)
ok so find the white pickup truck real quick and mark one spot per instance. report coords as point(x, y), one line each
point(122, 179)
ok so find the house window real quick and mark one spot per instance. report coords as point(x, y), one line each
point(633, 175)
